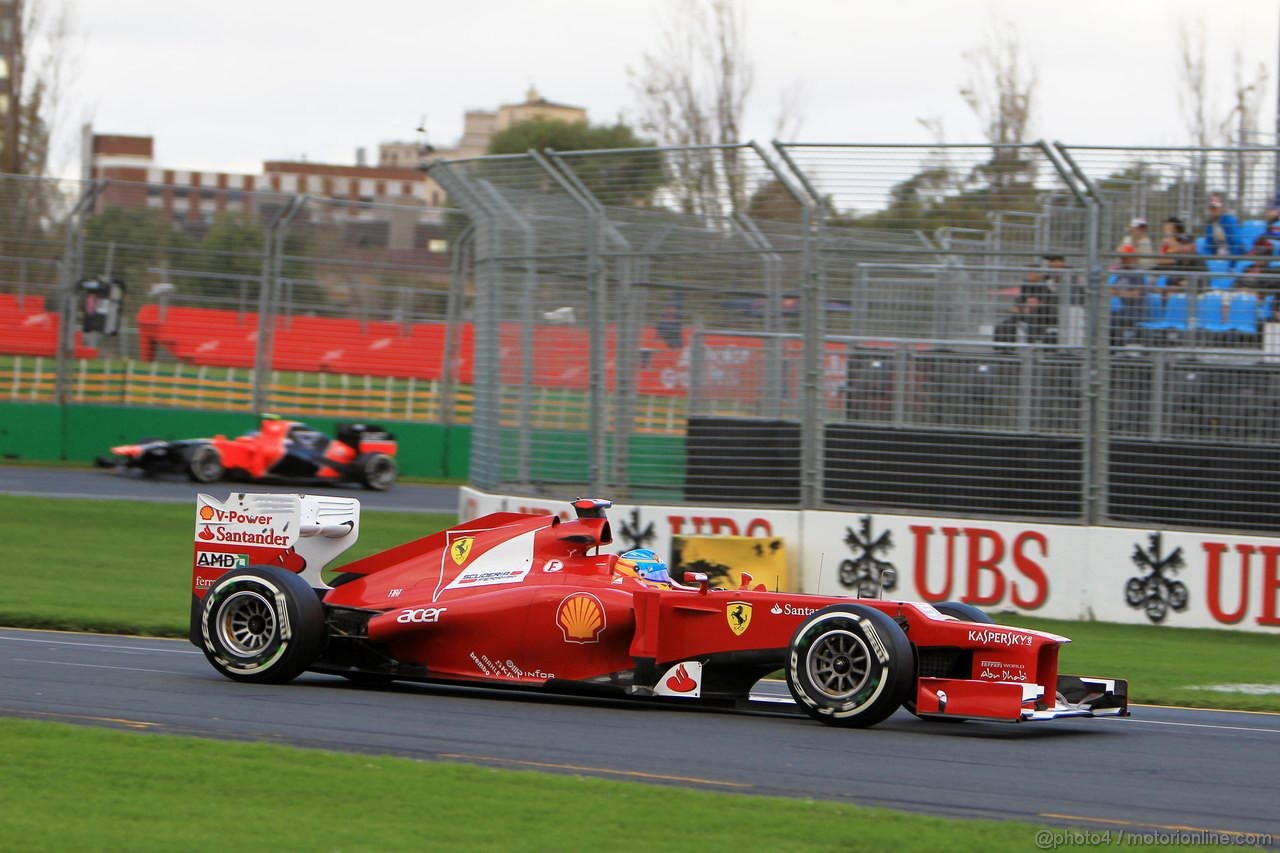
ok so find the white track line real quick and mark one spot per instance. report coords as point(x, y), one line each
point(99, 645)
point(99, 666)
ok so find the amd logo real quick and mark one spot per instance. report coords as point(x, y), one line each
point(216, 560)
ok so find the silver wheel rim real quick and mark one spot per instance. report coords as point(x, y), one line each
point(208, 465)
point(246, 623)
point(838, 664)
point(383, 472)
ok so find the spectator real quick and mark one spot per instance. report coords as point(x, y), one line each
point(1258, 276)
point(1128, 285)
point(1171, 229)
point(1140, 242)
point(1035, 311)
point(1221, 233)
point(1184, 260)
point(1273, 224)
point(670, 325)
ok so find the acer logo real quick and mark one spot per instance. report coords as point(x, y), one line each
point(421, 614)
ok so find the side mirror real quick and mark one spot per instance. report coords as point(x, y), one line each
point(887, 578)
point(699, 578)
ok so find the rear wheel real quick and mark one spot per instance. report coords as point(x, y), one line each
point(378, 472)
point(261, 624)
point(849, 665)
point(204, 465)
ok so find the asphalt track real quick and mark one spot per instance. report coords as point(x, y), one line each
point(111, 485)
point(1164, 768)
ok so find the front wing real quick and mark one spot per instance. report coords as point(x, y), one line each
point(1076, 696)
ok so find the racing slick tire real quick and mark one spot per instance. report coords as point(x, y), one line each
point(849, 665)
point(963, 612)
point(204, 464)
point(261, 624)
point(377, 471)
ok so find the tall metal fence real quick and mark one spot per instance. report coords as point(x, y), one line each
point(959, 330)
point(235, 300)
point(963, 329)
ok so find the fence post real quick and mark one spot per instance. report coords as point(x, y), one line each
point(268, 297)
point(460, 269)
point(811, 458)
point(486, 452)
point(72, 258)
point(1097, 353)
point(528, 298)
point(596, 320)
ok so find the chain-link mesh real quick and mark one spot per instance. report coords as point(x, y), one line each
point(953, 329)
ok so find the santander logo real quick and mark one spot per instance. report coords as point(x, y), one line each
point(681, 682)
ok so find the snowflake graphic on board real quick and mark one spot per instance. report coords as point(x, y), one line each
point(864, 573)
point(635, 535)
point(1155, 591)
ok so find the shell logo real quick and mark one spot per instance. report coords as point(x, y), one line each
point(206, 513)
point(581, 618)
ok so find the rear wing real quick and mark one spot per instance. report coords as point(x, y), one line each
point(301, 533)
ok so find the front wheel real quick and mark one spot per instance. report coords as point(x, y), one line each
point(849, 665)
point(378, 472)
point(261, 624)
point(205, 464)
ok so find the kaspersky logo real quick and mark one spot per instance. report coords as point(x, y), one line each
point(461, 549)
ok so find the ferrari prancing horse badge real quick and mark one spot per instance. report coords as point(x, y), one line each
point(461, 549)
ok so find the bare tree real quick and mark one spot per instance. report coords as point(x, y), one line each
point(1001, 92)
point(1193, 88)
point(41, 65)
point(693, 90)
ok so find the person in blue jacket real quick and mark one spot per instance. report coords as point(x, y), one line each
point(1221, 232)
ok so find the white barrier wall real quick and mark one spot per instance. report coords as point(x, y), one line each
point(1134, 575)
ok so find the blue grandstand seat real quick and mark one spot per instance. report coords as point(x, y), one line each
point(1154, 305)
point(1252, 229)
point(1220, 273)
point(1177, 312)
point(1266, 308)
point(1202, 245)
point(1242, 312)
point(1209, 312)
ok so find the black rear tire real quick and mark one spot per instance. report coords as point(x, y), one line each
point(204, 464)
point(377, 472)
point(261, 624)
point(850, 665)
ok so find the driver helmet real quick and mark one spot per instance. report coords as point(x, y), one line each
point(646, 564)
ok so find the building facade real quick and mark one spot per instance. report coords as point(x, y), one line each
point(478, 128)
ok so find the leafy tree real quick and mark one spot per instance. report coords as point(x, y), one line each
point(628, 176)
point(128, 241)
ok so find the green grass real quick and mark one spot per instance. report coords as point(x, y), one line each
point(64, 787)
point(123, 566)
point(1170, 666)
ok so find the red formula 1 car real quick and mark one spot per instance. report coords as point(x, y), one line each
point(278, 450)
point(529, 601)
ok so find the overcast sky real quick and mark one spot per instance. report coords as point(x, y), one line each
point(228, 85)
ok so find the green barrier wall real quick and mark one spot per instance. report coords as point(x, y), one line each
point(30, 431)
point(48, 433)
